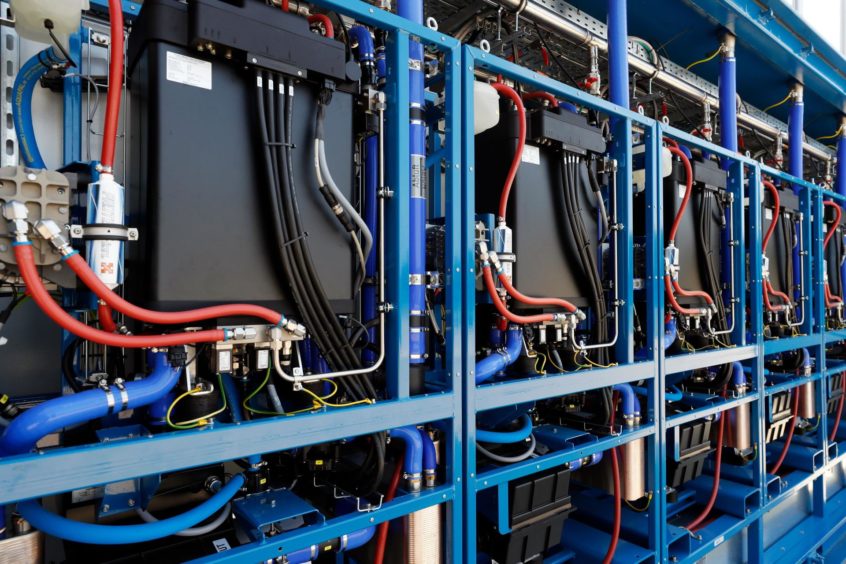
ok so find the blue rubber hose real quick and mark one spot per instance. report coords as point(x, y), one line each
point(29, 75)
point(56, 414)
point(430, 455)
point(670, 333)
point(90, 533)
point(501, 359)
point(354, 540)
point(507, 437)
point(738, 378)
point(629, 401)
point(413, 461)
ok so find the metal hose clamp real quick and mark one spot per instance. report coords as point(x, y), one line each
point(124, 395)
point(110, 397)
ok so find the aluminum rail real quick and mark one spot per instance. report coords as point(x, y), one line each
point(543, 16)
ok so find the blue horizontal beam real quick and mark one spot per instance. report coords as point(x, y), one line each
point(513, 392)
point(717, 407)
point(297, 539)
point(791, 384)
point(790, 344)
point(694, 361)
point(502, 475)
point(36, 475)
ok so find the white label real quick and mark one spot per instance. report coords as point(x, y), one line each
point(106, 257)
point(682, 190)
point(263, 360)
point(190, 71)
point(531, 155)
point(221, 544)
point(768, 213)
point(224, 361)
point(719, 540)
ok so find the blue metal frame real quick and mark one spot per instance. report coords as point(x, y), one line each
point(34, 475)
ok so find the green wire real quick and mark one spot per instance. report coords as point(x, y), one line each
point(194, 423)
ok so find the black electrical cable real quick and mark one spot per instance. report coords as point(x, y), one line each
point(68, 365)
point(554, 57)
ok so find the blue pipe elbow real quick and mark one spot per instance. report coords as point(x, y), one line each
point(430, 455)
point(507, 437)
point(806, 359)
point(503, 358)
point(629, 401)
point(362, 36)
point(90, 533)
point(413, 461)
point(53, 415)
point(671, 331)
point(22, 90)
point(354, 540)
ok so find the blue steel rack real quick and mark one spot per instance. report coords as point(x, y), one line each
point(35, 475)
point(754, 503)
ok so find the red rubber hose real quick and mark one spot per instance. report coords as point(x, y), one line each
point(830, 299)
point(382, 531)
point(545, 55)
point(618, 493)
point(671, 297)
point(110, 127)
point(511, 94)
point(517, 295)
point(688, 172)
point(104, 315)
point(553, 101)
point(692, 293)
point(838, 214)
point(768, 289)
point(90, 279)
point(671, 142)
point(777, 205)
point(503, 311)
point(40, 295)
point(715, 488)
point(789, 438)
point(327, 24)
point(833, 434)
point(284, 5)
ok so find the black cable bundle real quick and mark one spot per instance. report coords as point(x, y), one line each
point(574, 173)
point(275, 105)
point(704, 246)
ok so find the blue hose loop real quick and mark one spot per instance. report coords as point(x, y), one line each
point(413, 460)
point(354, 540)
point(56, 414)
point(90, 533)
point(569, 107)
point(361, 35)
point(24, 86)
point(507, 437)
point(629, 401)
point(503, 358)
point(684, 149)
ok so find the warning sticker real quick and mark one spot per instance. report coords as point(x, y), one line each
point(189, 71)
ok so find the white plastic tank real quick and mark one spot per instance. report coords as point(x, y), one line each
point(486, 106)
point(30, 16)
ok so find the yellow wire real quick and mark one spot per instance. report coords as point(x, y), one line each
point(246, 402)
point(540, 356)
point(576, 361)
point(706, 59)
point(199, 421)
point(639, 509)
point(552, 362)
point(833, 135)
point(324, 403)
point(592, 363)
point(777, 104)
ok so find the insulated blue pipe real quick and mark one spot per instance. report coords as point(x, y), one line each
point(503, 358)
point(738, 378)
point(413, 10)
point(618, 53)
point(235, 411)
point(53, 415)
point(507, 437)
point(796, 135)
point(89, 533)
point(29, 75)
point(413, 460)
point(629, 400)
point(430, 455)
point(354, 540)
point(728, 98)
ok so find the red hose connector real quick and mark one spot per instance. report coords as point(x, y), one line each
point(40, 295)
point(323, 19)
point(503, 310)
point(110, 127)
point(511, 94)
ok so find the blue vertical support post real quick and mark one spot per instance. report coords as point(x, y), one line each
point(72, 104)
point(618, 84)
point(418, 321)
point(756, 324)
point(796, 140)
point(657, 453)
point(397, 212)
point(728, 139)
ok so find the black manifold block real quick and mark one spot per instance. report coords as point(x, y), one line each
point(538, 506)
point(690, 443)
point(835, 392)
